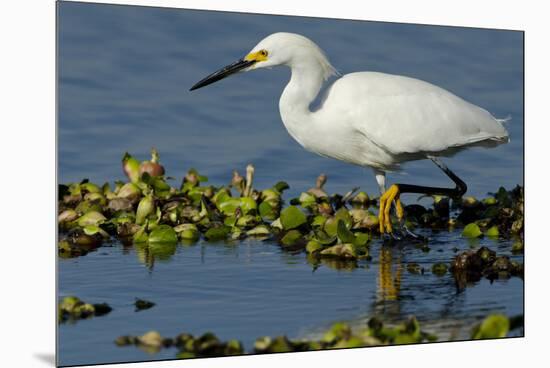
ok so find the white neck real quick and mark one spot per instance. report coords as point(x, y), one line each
point(294, 105)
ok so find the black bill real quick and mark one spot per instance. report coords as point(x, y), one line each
point(222, 73)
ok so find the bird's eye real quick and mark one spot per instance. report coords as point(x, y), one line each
point(263, 53)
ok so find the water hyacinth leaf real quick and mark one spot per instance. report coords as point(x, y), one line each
point(229, 206)
point(324, 238)
point(88, 206)
point(492, 232)
point(361, 239)
point(267, 211)
point(130, 191)
point(141, 235)
point(307, 199)
point(281, 186)
point(163, 234)
point(471, 231)
point(313, 246)
point(96, 198)
point(331, 226)
point(91, 218)
point(160, 186)
point(247, 221)
point(69, 303)
point(318, 221)
point(338, 331)
point(277, 224)
point(260, 230)
point(247, 204)
point(347, 251)
point(493, 326)
point(145, 207)
point(131, 167)
point(94, 229)
point(67, 216)
point(292, 217)
point(292, 237)
point(217, 233)
point(90, 187)
point(187, 231)
point(221, 196)
point(344, 235)
point(343, 214)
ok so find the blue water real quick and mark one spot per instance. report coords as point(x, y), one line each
point(124, 76)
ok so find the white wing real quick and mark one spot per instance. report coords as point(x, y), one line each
point(407, 115)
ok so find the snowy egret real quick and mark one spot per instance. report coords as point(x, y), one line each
point(370, 119)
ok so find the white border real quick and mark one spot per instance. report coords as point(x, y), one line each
point(28, 179)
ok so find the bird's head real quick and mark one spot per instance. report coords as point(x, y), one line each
point(281, 48)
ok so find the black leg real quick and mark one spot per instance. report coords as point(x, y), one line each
point(456, 192)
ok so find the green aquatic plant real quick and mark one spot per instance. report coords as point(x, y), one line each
point(72, 309)
point(317, 223)
point(493, 326)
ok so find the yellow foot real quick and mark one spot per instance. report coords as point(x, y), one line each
point(392, 194)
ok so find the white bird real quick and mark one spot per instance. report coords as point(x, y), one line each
point(369, 119)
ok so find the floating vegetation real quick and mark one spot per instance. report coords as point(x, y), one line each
point(72, 309)
point(154, 216)
point(142, 304)
point(206, 345)
point(470, 266)
point(339, 335)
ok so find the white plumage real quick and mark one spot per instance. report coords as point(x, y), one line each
point(369, 119)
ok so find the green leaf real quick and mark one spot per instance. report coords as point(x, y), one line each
point(145, 207)
point(343, 233)
point(323, 238)
point(131, 167)
point(90, 187)
point(91, 218)
point(163, 234)
point(331, 226)
point(318, 221)
point(340, 251)
point(291, 238)
point(217, 233)
point(361, 239)
point(267, 211)
point(343, 214)
point(493, 231)
point(281, 186)
point(221, 196)
point(471, 231)
point(494, 326)
point(94, 229)
point(247, 204)
point(307, 199)
point(260, 230)
point(313, 246)
point(292, 217)
point(141, 235)
point(229, 206)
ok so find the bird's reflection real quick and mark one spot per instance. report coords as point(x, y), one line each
point(389, 275)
